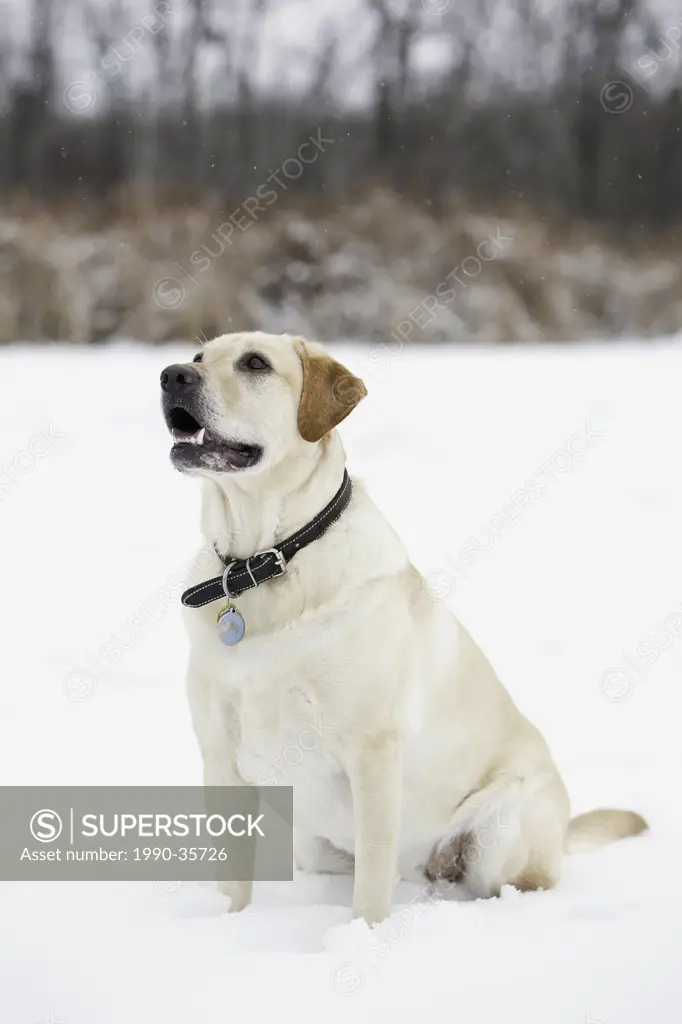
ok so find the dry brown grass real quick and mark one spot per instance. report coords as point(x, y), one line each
point(358, 270)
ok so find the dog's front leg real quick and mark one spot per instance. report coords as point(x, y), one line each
point(217, 729)
point(375, 772)
point(223, 772)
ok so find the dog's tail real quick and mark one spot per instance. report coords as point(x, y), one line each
point(597, 828)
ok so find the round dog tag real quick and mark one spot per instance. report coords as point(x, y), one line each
point(231, 626)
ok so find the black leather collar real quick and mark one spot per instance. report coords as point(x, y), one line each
point(243, 574)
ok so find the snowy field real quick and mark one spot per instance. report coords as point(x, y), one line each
point(573, 588)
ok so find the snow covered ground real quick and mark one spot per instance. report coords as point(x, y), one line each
point(574, 589)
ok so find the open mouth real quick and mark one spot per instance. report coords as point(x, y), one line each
point(195, 447)
point(184, 427)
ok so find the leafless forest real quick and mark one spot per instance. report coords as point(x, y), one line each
point(177, 166)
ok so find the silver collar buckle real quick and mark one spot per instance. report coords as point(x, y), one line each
point(279, 559)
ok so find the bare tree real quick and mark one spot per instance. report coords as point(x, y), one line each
point(531, 124)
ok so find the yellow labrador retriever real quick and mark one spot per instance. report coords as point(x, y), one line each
point(319, 661)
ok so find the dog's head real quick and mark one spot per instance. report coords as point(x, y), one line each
point(249, 400)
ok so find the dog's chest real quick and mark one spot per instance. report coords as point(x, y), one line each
point(289, 743)
point(279, 735)
point(294, 694)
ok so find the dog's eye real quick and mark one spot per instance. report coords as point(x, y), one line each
point(198, 357)
point(252, 361)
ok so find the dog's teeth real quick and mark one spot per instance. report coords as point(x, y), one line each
point(199, 438)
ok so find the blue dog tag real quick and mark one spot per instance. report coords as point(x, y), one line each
point(231, 626)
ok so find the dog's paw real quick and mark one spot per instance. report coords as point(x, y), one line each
point(239, 894)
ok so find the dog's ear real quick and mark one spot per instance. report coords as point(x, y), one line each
point(330, 392)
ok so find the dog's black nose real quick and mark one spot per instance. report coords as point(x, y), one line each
point(179, 377)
